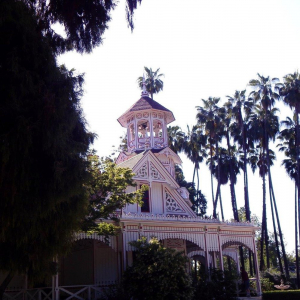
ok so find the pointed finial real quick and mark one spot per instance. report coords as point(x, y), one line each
point(144, 92)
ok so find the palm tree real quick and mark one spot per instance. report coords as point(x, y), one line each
point(236, 105)
point(265, 96)
point(153, 82)
point(287, 145)
point(209, 120)
point(234, 166)
point(238, 110)
point(176, 138)
point(290, 92)
point(194, 147)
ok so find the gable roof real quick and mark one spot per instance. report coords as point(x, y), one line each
point(131, 162)
point(137, 161)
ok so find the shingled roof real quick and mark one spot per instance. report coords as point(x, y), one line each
point(145, 103)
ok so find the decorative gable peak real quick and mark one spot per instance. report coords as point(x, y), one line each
point(146, 122)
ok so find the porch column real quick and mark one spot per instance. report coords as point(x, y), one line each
point(124, 252)
point(256, 267)
point(206, 251)
point(56, 283)
point(53, 287)
point(221, 253)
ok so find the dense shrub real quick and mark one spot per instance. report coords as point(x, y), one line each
point(157, 273)
point(281, 295)
point(219, 286)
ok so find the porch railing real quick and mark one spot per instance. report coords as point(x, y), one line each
point(79, 292)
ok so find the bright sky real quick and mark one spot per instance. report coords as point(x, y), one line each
point(204, 48)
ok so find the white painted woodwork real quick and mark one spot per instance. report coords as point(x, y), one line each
point(156, 198)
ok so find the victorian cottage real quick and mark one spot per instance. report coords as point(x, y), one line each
point(166, 214)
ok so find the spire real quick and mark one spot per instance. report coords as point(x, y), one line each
point(144, 92)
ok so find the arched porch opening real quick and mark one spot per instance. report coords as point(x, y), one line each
point(90, 262)
point(230, 250)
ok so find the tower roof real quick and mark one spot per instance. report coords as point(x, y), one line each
point(146, 103)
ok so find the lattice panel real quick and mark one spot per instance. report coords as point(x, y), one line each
point(155, 174)
point(171, 204)
point(142, 172)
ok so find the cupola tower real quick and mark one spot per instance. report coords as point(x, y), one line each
point(146, 122)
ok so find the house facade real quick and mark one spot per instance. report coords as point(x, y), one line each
point(166, 214)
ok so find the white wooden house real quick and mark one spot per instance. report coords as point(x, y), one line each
point(166, 214)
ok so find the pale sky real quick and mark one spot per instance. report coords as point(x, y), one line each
point(204, 48)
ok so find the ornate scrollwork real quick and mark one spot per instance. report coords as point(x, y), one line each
point(155, 174)
point(172, 205)
point(142, 172)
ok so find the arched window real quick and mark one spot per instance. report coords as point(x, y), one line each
point(143, 129)
point(157, 128)
point(131, 133)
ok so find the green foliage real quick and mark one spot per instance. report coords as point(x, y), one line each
point(44, 142)
point(153, 82)
point(217, 285)
point(157, 273)
point(196, 197)
point(106, 190)
point(266, 284)
point(84, 22)
point(281, 295)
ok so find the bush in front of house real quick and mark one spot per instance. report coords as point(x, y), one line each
point(281, 295)
point(216, 285)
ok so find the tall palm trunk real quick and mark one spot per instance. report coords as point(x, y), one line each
point(296, 239)
point(211, 173)
point(221, 204)
point(218, 195)
point(246, 192)
point(232, 189)
point(286, 266)
point(298, 176)
point(274, 228)
point(262, 263)
point(264, 216)
point(216, 202)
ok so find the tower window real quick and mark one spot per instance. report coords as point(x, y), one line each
point(143, 129)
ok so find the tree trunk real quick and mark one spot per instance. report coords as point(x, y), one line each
point(263, 228)
point(232, 190)
point(211, 174)
point(246, 192)
point(286, 265)
point(274, 228)
point(265, 145)
point(219, 177)
point(298, 177)
point(296, 240)
point(5, 283)
point(221, 205)
point(215, 202)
